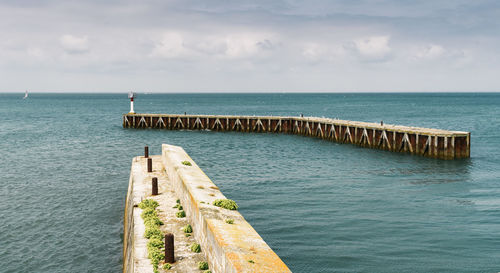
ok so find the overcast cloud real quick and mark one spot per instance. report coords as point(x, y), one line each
point(249, 46)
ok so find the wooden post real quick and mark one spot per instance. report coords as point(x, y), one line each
point(154, 186)
point(169, 248)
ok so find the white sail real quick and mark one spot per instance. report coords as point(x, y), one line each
point(25, 95)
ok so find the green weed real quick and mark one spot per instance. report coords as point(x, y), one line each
point(180, 214)
point(188, 229)
point(203, 265)
point(226, 203)
point(196, 248)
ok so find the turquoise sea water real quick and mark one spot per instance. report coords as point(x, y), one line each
point(323, 207)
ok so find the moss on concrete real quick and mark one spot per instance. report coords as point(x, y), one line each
point(226, 204)
point(196, 248)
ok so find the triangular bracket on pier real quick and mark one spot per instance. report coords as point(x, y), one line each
point(319, 130)
point(347, 133)
point(160, 123)
point(142, 122)
point(125, 120)
point(333, 133)
point(259, 126)
point(237, 125)
point(364, 138)
point(217, 125)
point(278, 125)
point(384, 139)
point(427, 145)
point(307, 129)
point(177, 122)
point(406, 144)
point(198, 124)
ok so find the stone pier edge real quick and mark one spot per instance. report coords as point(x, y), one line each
point(229, 248)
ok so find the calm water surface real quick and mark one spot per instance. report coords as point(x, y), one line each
point(323, 207)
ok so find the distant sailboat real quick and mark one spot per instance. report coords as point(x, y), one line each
point(25, 95)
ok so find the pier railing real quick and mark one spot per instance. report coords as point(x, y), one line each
point(427, 142)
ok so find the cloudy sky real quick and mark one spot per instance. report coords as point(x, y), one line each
point(249, 46)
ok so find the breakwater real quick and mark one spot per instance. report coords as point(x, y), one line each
point(227, 246)
point(427, 142)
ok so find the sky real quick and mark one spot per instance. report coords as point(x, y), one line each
point(249, 46)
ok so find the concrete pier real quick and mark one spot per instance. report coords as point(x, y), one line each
point(427, 142)
point(227, 247)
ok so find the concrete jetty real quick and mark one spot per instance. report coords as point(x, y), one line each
point(427, 142)
point(228, 243)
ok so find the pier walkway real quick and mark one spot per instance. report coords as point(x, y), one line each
point(427, 142)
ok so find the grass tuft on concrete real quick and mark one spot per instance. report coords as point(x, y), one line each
point(153, 232)
point(188, 228)
point(226, 204)
point(230, 221)
point(148, 203)
point(203, 265)
point(180, 214)
point(196, 248)
point(186, 163)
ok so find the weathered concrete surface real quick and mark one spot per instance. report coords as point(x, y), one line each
point(427, 142)
point(135, 257)
point(228, 247)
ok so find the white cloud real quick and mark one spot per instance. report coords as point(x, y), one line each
point(437, 54)
point(430, 52)
point(171, 45)
point(244, 45)
point(73, 44)
point(319, 52)
point(373, 48)
point(189, 44)
point(313, 51)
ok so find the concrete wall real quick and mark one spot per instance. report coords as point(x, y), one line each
point(134, 244)
point(128, 229)
point(228, 247)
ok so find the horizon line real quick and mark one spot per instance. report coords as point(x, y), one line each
point(243, 92)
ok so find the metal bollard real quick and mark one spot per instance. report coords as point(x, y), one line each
point(169, 248)
point(146, 151)
point(154, 184)
point(150, 165)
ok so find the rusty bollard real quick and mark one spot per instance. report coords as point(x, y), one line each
point(169, 248)
point(146, 151)
point(154, 184)
point(150, 165)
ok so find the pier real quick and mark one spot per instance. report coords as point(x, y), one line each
point(427, 142)
point(225, 241)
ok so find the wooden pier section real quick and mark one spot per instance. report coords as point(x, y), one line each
point(427, 142)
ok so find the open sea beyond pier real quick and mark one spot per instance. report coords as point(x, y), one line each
point(321, 206)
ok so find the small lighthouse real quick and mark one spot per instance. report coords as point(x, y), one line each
point(131, 96)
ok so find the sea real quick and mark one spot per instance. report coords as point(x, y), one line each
point(320, 205)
